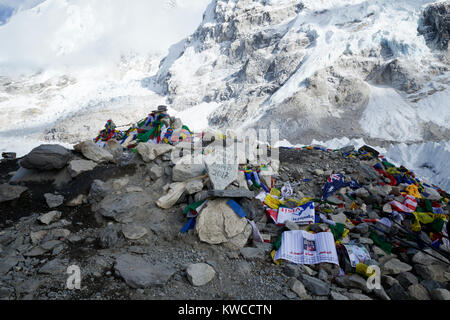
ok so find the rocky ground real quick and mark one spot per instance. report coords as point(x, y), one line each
point(117, 215)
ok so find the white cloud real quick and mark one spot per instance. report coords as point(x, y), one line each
point(70, 33)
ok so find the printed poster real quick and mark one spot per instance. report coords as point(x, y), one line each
point(305, 214)
point(357, 253)
point(302, 247)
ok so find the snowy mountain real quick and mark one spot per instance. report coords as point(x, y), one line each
point(317, 70)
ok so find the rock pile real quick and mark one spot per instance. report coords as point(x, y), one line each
point(152, 224)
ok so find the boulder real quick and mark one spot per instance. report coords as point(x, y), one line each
point(140, 273)
point(77, 167)
point(200, 274)
point(407, 279)
point(46, 157)
point(9, 192)
point(218, 223)
point(122, 207)
point(150, 151)
point(93, 152)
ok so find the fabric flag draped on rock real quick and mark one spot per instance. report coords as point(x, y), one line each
point(409, 205)
point(336, 182)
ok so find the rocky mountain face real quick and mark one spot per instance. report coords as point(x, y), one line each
point(309, 68)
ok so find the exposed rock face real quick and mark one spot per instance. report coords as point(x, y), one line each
point(435, 25)
point(277, 67)
point(46, 157)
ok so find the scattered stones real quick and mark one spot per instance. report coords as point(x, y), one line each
point(396, 292)
point(200, 274)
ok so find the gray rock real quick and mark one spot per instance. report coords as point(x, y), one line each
point(133, 232)
point(316, 286)
point(253, 208)
point(109, 237)
point(77, 167)
point(435, 25)
point(291, 270)
point(381, 293)
point(150, 151)
point(53, 200)
point(194, 186)
point(98, 191)
point(7, 263)
point(139, 273)
point(433, 272)
point(222, 175)
point(183, 172)
point(440, 294)
point(53, 267)
point(200, 274)
point(50, 217)
point(93, 152)
point(396, 292)
point(358, 296)
point(46, 157)
point(291, 225)
point(122, 207)
point(337, 296)
point(395, 266)
point(430, 285)
point(407, 279)
point(9, 192)
point(361, 228)
point(238, 193)
point(251, 253)
point(352, 281)
point(298, 288)
point(418, 292)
